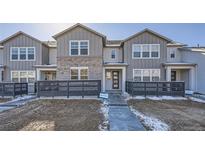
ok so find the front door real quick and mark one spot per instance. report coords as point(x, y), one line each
point(115, 79)
point(173, 75)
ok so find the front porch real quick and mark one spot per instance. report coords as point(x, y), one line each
point(46, 72)
point(182, 72)
point(114, 78)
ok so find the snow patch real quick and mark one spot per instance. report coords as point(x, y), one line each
point(160, 98)
point(151, 122)
point(197, 100)
point(21, 98)
point(105, 111)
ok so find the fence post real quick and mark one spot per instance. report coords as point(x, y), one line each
point(171, 88)
point(183, 84)
point(68, 89)
point(27, 88)
point(38, 88)
point(3, 90)
point(99, 87)
point(145, 88)
point(21, 88)
point(157, 89)
point(132, 88)
point(14, 88)
point(82, 89)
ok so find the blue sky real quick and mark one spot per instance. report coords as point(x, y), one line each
point(191, 34)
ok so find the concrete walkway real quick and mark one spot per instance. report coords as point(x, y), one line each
point(20, 101)
point(120, 116)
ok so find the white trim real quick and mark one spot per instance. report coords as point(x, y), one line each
point(79, 54)
point(79, 75)
point(123, 68)
point(23, 71)
point(150, 51)
point(141, 75)
point(26, 54)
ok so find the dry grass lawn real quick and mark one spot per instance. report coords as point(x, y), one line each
point(62, 115)
point(3, 100)
point(180, 115)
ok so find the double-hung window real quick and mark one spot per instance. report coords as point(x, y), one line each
point(146, 75)
point(79, 48)
point(23, 76)
point(14, 54)
point(79, 73)
point(22, 54)
point(113, 54)
point(31, 53)
point(145, 51)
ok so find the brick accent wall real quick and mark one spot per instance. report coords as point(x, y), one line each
point(94, 64)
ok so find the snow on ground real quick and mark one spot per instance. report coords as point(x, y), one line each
point(151, 122)
point(160, 98)
point(21, 98)
point(197, 100)
point(104, 110)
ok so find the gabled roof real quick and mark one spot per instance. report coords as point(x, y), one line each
point(19, 33)
point(176, 44)
point(79, 25)
point(149, 31)
point(51, 44)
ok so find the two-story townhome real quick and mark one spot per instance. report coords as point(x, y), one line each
point(26, 59)
point(81, 53)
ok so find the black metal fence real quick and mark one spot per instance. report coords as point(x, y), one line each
point(69, 88)
point(13, 89)
point(155, 88)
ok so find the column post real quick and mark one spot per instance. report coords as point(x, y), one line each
point(168, 74)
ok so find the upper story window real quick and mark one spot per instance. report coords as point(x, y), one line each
point(145, 51)
point(172, 54)
point(113, 54)
point(79, 73)
point(22, 54)
point(79, 48)
point(146, 75)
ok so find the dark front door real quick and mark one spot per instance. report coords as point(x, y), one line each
point(115, 79)
point(173, 75)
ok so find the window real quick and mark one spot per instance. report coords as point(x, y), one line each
point(83, 48)
point(31, 53)
point(146, 75)
point(155, 50)
point(172, 55)
point(79, 73)
point(78, 48)
point(23, 76)
point(14, 53)
point(22, 53)
point(14, 77)
point(113, 54)
point(146, 51)
point(136, 51)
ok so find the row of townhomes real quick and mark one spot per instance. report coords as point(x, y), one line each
point(81, 53)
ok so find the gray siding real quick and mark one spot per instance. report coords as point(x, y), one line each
point(107, 54)
point(199, 59)
point(20, 41)
point(93, 61)
point(52, 55)
point(95, 42)
point(177, 54)
point(145, 38)
point(45, 55)
point(1, 56)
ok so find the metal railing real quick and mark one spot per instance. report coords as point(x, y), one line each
point(13, 89)
point(155, 88)
point(69, 88)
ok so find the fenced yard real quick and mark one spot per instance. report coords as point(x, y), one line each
point(155, 88)
point(13, 89)
point(69, 88)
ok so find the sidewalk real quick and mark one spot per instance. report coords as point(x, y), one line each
point(120, 116)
